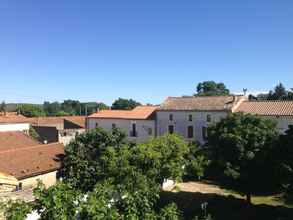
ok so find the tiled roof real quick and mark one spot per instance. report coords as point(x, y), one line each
point(12, 117)
point(14, 140)
point(31, 161)
point(200, 103)
point(78, 120)
point(140, 112)
point(273, 108)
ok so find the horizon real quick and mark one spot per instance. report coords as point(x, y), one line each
point(100, 51)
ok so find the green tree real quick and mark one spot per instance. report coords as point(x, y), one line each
point(283, 155)
point(3, 107)
point(31, 110)
point(16, 210)
point(211, 88)
point(33, 134)
point(197, 162)
point(279, 93)
point(51, 109)
point(124, 104)
point(241, 143)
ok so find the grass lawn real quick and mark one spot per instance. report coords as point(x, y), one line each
point(225, 204)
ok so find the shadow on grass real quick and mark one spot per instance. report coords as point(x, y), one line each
point(224, 207)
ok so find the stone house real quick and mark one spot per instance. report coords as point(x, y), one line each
point(190, 116)
point(23, 161)
point(138, 124)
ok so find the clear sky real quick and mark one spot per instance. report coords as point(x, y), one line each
point(147, 50)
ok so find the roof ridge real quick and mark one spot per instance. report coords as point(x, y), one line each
point(269, 101)
point(31, 147)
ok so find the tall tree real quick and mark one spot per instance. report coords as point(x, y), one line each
point(211, 88)
point(242, 143)
point(124, 104)
point(279, 93)
point(3, 107)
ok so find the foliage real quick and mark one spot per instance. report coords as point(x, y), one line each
point(33, 134)
point(72, 107)
point(162, 158)
point(197, 162)
point(90, 158)
point(57, 202)
point(211, 88)
point(279, 93)
point(3, 107)
point(124, 104)
point(16, 210)
point(31, 110)
point(241, 143)
point(283, 154)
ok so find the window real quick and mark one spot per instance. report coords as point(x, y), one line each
point(209, 118)
point(171, 117)
point(113, 126)
point(190, 131)
point(150, 131)
point(171, 129)
point(97, 125)
point(189, 117)
point(204, 133)
point(133, 132)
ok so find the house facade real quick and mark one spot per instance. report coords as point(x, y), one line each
point(138, 124)
point(190, 116)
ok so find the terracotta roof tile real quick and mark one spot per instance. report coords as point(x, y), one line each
point(78, 120)
point(200, 103)
point(273, 108)
point(15, 139)
point(140, 112)
point(12, 117)
point(31, 161)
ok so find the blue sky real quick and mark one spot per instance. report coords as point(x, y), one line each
point(147, 50)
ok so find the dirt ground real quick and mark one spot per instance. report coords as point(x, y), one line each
point(201, 187)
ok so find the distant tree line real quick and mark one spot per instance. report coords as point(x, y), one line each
point(278, 93)
point(69, 107)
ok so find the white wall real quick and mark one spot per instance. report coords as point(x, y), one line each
point(142, 127)
point(283, 122)
point(14, 127)
point(48, 179)
point(181, 122)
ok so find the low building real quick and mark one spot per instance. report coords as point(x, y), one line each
point(58, 129)
point(12, 121)
point(23, 161)
point(190, 116)
point(138, 124)
point(279, 111)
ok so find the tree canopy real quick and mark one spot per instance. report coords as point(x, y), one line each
point(211, 88)
point(242, 144)
point(106, 177)
point(124, 104)
point(31, 110)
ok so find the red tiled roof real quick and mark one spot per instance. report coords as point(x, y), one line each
point(14, 140)
point(12, 117)
point(78, 120)
point(273, 108)
point(31, 161)
point(140, 112)
point(200, 103)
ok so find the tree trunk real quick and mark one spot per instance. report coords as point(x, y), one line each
point(248, 198)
